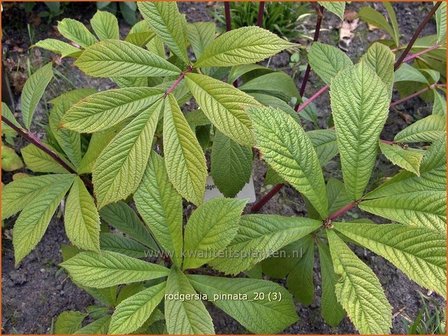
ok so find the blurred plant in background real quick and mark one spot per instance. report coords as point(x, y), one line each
point(430, 319)
point(127, 9)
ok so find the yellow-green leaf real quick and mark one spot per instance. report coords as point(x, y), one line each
point(105, 25)
point(76, 32)
point(407, 159)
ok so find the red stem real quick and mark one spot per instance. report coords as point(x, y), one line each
point(260, 14)
point(257, 206)
point(36, 142)
point(415, 94)
point(416, 34)
point(413, 56)
point(342, 211)
point(177, 81)
point(320, 16)
point(301, 107)
point(228, 16)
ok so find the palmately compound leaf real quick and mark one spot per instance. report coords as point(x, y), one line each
point(285, 146)
point(231, 165)
point(58, 47)
point(69, 141)
point(419, 252)
point(326, 60)
point(39, 161)
point(106, 269)
point(105, 109)
point(413, 200)
point(242, 46)
point(122, 217)
point(76, 32)
point(97, 327)
point(184, 159)
point(17, 194)
point(33, 221)
point(331, 310)
point(114, 58)
point(258, 237)
point(131, 313)
point(360, 105)
point(105, 25)
point(224, 106)
point(428, 129)
point(68, 322)
point(210, 228)
point(33, 91)
point(200, 35)
point(81, 219)
point(168, 24)
point(160, 206)
point(407, 159)
point(336, 7)
point(358, 290)
point(185, 316)
point(121, 165)
point(262, 307)
point(381, 59)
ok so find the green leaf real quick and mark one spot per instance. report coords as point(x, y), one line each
point(324, 142)
point(428, 129)
point(105, 109)
point(105, 26)
point(263, 234)
point(300, 279)
point(98, 327)
point(337, 195)
point(393, 21)
point(122, 217)
point(33, 91)
point(10, 160)
point(224, 105)
point(33, 221)
point(68, 322)
point(17, 194)
point(231, 165)
point(440, 17)
point(140, 34)
point(58, 47)
point(168, 24)
point(123, 245)
point(326, 60)
point(242, 46)
point(131, 313)
point(82, 222)
point(69, 141)
point(372, 16)
point(407, 159)
point(161, 207)
point(114, 58)
point(184, 159)
point(76, 32)
point(408, 73)
point(331, 310)
point(358, 290)
point(288, 150)
point(336, 7)
point(189, 316)
point(209, 230)
point(7, 113)
point(419, 252)
point(263, 307)
point(276, 83)
point(360, 105)
point(200, 35)
point(105, 269)
point(121, 165)
point(39, 161)
point(413, 200)
point(98, 142)
point(381, 59)
point(439, 106)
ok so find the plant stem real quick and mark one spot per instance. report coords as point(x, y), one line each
point(342, 211)
point(260, 13)
point(320, 16)
point(177, 81)
point(416, 94)
point(416, 34)
point(228, 16)
point(424, 51)
point(36, 142)
point(258, 205)
point(301, 107)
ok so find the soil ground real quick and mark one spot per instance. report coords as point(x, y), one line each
point(37, 291)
